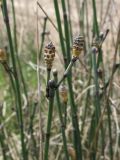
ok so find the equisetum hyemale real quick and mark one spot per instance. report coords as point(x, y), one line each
point(49, 55)
point(78, 46)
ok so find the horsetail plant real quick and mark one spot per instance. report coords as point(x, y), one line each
point(17, 83)
point(66, 56)
point(51, 93)
point(61, 117)
point(97, 113)
point(49, 55)
point(40, 49)
point(16, 50)
point(78, 47)
point(86, 99)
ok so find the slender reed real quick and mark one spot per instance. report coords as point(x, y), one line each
point(69, 20)
point(51, 86)
point(49, 54)
point(16, 50)
point(67, 33)
point(31, 130)
point(18, 94)
point(61, 118)
point(86, 107)
point(68, 69)
point(77, 138)
point(97, 101)
point(60, 32)
point(76, 132)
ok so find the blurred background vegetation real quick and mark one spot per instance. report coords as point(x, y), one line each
point(95, 83)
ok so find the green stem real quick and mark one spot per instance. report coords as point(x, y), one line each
point(48, 75)
point(95, 17)
point(12, 80)
point(62, 122)
point(97, 99)
point(77, 138)
point(48, 78)
point(66, 29)
point(76, 132)
point(68, 69)
point(49, 121)
point(16, 50)
point(18, 94)
point(87, 23)
point(60, 31)
point(70, 23)
point(96, 30)
point(31, 129)
point(86, 106)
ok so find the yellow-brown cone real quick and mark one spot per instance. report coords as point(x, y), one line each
point(78, 46)
point(72, 153)
point(63, 93)
point(3, 56)
point(49, 55)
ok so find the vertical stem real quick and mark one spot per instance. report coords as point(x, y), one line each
point(16, 50)
point(48, 78)
point(76, 132)
point(95, 17)
point(31, 129)
point(69, 20)
point(60, 31)
point(96, 31)
point(11, 76)
point(49, 121)
point(97, 100)
point(66, 29)
point(96, 63)
point(87, 22)
point(48, 75)
point(18, 94)
point(62, 122)
point(86, 106)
